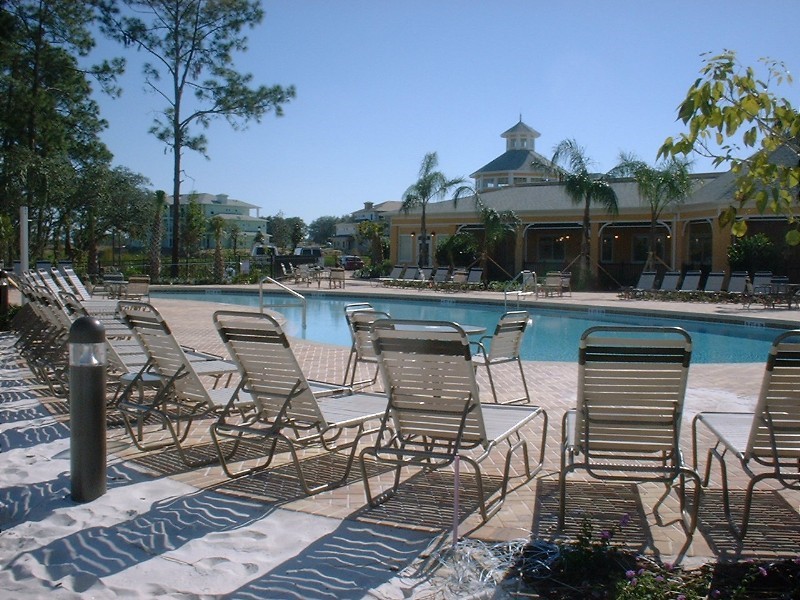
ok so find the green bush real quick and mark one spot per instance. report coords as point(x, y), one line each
point(753, 253)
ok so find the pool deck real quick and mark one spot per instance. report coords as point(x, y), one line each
point(531, 507)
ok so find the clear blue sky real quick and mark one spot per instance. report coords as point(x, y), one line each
point(380, 84)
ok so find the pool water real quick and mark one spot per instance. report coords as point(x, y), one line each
point(553, 336)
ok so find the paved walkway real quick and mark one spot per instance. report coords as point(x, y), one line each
point(424, 503)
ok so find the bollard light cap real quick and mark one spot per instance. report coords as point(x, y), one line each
point(87, 330)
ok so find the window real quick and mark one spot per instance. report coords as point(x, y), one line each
point(700, 249)
point(607, 248)
point(641, 247)
point(404, 249)
point(551, 247)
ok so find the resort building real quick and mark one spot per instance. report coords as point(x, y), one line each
point(232, 211)
point(346, 238)
point(688, 234)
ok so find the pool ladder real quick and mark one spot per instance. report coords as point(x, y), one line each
point(301, 299)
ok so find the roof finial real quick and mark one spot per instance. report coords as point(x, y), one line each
point(520, 117)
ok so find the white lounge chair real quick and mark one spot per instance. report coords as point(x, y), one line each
point(503, 346)
point(183, 398)
point(766, 442)
point(626, 426)
point(360, 317)
point(287, 410)
point(435, 417)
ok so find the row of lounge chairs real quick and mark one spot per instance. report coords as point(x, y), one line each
point(440, 278)
point(275, 409)
point(764, 288)
point(626, 423)
point(44, 324)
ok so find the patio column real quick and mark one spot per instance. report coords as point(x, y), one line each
point(519, 249)
point(720, 242)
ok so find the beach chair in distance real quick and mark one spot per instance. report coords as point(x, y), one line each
point(286, 408)
point(138, 288)
point(337, 278)
point(566, 283)
point(690, 285)
point(503, 347)
point(645, 285)
point(712, 289)
point(670, 284)
point(77, 285)
point(395, 274)
point(410, 277)
point(435, 418)
point(626, 425)
point(475, 279)
point(360, 317)
point(183, 398)
point(766, 442)
point(552, 284)
point(441, 277)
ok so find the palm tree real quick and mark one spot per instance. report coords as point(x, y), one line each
point(584, 188)
point(372, 232)
point(234, 233)
point(661, 186)
point(430, 185)
point(496, 225)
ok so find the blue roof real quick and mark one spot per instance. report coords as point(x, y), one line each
point(513, 160)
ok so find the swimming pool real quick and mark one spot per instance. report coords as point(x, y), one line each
point(553, 337)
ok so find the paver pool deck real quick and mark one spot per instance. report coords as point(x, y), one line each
point(530, 510)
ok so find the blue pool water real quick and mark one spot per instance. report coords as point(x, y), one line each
point(554, 335)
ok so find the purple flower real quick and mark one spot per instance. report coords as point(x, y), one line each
point(605, 535)
point(668, 566)
point(630, 574)
point(681, 597)
point(763, 571)
point(626, 518)
point(659, 578)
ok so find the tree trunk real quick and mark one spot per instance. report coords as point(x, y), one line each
point(423, 254)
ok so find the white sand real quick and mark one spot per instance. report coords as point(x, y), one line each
point(156, 537)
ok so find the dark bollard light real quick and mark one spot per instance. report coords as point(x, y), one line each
point(87, 409)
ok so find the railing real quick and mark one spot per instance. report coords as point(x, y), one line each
point(524, 284)
point(291, 292)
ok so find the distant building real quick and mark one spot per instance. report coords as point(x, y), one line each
point(233, 211)
point(346, 233)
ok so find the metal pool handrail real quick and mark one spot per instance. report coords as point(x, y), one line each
point(300, 297)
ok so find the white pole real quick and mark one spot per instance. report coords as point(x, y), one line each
point(456, 485)
point(23, 238)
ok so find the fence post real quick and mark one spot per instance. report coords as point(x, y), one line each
point(87, 409)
